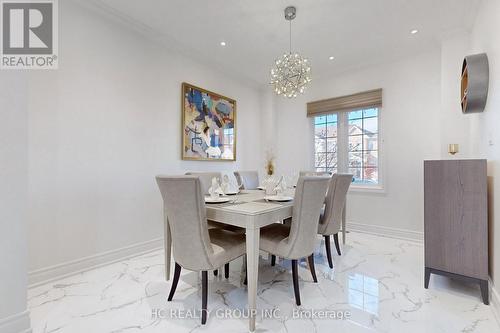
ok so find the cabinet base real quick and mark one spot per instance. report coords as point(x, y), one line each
point(482, 283)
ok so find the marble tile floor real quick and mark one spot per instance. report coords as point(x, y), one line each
point(375, 286)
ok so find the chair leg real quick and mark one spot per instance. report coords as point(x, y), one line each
point(310, 260)
point(204, 296)
point(216, 272)
point(246, 272)
point(273, 260)
point(226, 271)
point(295, 278)
point(337, 245)
point(175, 280)
point(328, 250)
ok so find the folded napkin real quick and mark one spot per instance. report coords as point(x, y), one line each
point(281, 186)
point(225, 185)
point(215, 190)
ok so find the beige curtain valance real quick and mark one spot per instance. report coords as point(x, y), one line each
point(366, 99)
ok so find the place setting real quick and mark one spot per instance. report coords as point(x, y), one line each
point(222, 192)
point(276, 189)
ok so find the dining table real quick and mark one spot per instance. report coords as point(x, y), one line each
point(249, 209)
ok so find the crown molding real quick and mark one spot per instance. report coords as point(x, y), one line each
point(99, 7)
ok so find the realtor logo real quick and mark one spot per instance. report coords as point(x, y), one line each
point(29, 34)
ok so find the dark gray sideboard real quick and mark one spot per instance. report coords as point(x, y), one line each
point(456, 221)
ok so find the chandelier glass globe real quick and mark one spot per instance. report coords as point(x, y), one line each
point(291, 73)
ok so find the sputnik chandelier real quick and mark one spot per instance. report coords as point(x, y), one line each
point(291, 72)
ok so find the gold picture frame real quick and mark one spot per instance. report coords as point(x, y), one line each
point(208, 125)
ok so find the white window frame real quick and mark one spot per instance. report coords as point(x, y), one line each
point(342, 154)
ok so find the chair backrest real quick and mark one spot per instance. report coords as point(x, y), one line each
point(249, 179)
point(309, 198)
point(314, 173)
point(205, 179)
point(185, 208)
point(334, 204)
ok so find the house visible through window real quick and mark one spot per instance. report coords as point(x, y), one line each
point(326, 143)
point(347, 142)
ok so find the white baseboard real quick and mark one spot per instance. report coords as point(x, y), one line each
point(18, 323)
point(386, 231)
point(495, 301)
point(51, 273)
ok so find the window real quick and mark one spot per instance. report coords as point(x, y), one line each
point(326, 143)
point(348, 142)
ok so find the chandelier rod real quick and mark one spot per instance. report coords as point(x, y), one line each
point(290, 36)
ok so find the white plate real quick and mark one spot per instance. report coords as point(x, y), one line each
point(280, 198)
point(261, 188)
point(216, 201)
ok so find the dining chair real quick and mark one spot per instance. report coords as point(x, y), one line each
point(302, 174)
point(206, 183)
point(297, 240)
point(331, 217)
point(248, 180)
point(205, 179)
point(195, 247)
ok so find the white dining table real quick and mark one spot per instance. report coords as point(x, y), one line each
point(248, 210)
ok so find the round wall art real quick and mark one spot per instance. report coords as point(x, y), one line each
point(474, 86)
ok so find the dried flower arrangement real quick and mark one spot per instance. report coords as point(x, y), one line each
point(269, 163)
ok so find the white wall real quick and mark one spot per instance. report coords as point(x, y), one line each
point(409, 128)
point(485, 37)
point(455, 126)
point(14, 317)
point(267, 128)
point(102, 126)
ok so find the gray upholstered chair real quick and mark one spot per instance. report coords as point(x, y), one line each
point(195, 247)
point(331, 217)
point(248, 180)
point(206, 183)
point(298, 240)
point(205, 179)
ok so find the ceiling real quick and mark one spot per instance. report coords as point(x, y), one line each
point(356, 32)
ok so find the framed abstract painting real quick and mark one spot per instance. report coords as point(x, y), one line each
point(209, 125)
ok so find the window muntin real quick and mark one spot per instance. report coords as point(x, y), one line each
point(348, 142)
point(325, 152)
